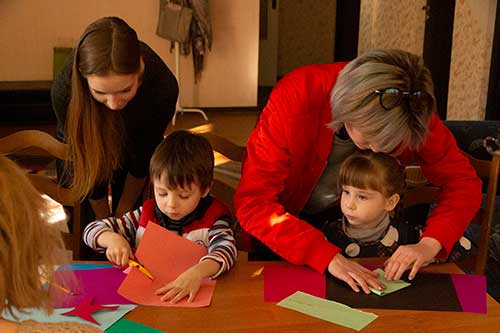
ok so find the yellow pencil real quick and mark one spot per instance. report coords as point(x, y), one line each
point(43, 279)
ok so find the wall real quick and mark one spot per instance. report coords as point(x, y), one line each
point(470, 58)
point(306, 33)
point(392, 24)
point(401, 24)
point(29, 29)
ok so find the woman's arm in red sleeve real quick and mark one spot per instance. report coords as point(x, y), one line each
point(444, 165)
point(263, 180)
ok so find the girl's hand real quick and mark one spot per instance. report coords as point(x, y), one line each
point(414, 256)
point(187, 284)
point(354, 274)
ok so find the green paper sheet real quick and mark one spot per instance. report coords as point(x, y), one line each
point(331, 311)
point(125, 325)
point(390, 286)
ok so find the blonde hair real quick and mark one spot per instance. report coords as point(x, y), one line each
point(93, 132)
point(28, 245)
point(373, 171)
point(354, 101)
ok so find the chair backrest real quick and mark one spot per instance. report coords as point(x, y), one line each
point(425, 193)
point(228, 159)
point(34, 150)
point(227, 172)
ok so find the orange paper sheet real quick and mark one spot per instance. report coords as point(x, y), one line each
point(166, 255)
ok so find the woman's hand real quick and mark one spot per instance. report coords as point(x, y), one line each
point(414, 256)
point(354, 274)
point(118, 250)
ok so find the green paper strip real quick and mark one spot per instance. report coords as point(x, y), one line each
point(390, 286)
point(331, 311)
point(125, 325)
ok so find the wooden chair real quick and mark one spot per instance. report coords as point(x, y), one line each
point(227, 172)
point(228, 159)
point(35, 150)
point(421, 192)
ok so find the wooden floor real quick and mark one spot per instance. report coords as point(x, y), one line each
point(232, 125)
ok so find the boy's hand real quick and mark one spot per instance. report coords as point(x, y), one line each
point(186, 284)
point(414, 256)
point(118, 250)
point(354, 274)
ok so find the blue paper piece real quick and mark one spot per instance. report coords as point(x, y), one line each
point(104, 318)
point(79, 266)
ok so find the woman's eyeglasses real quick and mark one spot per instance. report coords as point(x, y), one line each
point(390, 98)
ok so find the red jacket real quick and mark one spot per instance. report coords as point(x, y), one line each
point(287, 152)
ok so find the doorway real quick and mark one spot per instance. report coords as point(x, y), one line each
point(493, 101)
point(347, 30)
point(437, 48)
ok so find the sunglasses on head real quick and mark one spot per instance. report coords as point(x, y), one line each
point(389, 98)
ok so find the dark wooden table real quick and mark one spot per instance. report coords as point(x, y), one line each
point(238, 306)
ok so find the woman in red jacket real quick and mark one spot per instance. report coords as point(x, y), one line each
point(316, 115)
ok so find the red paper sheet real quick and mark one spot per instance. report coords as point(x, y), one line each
point(166, 255)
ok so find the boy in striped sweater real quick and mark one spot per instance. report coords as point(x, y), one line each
point(181, 170)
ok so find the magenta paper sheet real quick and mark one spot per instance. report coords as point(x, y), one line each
point(471, 292)
point(101, 283)
point(282, 281)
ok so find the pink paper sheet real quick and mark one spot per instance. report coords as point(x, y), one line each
point(282, 281)
point(166, 255)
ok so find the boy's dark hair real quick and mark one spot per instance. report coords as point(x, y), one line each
point(186, 158)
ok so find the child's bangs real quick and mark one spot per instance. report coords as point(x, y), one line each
point(179, 179)
point(361, 174)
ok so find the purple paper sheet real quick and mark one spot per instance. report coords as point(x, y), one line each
point(101, 283)
point(471, 292)
point(282, 281)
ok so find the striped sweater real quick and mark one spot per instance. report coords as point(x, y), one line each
point(208, 225)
